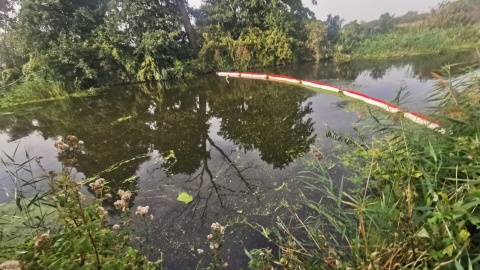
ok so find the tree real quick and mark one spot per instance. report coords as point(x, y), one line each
point(181, 4)
point(317, 37)
point(351, 34)
point(6, 8)
point(62, 31)
point(275, 121)
point(385, 23)
point(144, 37)
point(248, 33)
point(93, 42)
point(333, 25)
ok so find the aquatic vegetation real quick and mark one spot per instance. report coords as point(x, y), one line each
point(77, 232)
point(36, 90)
point(215, 240)
point(215, 243)
point(184, 197)
point(417, 206)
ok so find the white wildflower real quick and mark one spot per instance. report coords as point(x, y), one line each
point(142, 210)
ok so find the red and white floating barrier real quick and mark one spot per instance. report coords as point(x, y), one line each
point(283, 79)
point(323, 86)
point(412, 116)
point(372, 101)
point(253, 75)
point(230, 74)
point(422, 120)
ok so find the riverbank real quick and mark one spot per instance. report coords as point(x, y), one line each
point(411, 41)
point(39, 90)
point(417, 196)
point(166, 118)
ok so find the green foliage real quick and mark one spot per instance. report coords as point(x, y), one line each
point(184, 197)
point(411, 41)
point(242, 34)
point(253, 48)
point(317, 38)
point(352, 34)
point(454, 13)
point(63, 31)
point(333, 25)
point(418, 204)
point(65, 229)
point(32, 89)
point(260, 258)
point(96, 42)
point(452, 26)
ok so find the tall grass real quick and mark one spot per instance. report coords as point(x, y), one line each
point(417, 207)
point(418, 40)
point(62, 227)
point(32, 90)
point(36, 89)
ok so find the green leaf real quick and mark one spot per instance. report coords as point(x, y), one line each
point(432, 152)
point(463, 235)
point(83, 245)
point(435, 254)
point(184, 197)
point(19, 205)
point(417, 174)
point(458, 266)
point(449, 250)
point(249, 254)
point(423, 233)
point(123, 119)
point(474, 220)
point(131, 251)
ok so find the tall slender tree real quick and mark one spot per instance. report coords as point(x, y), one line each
point(182, 6)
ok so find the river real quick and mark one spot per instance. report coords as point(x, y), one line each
point(236, 147)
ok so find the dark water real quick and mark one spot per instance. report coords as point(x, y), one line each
point(234, 147)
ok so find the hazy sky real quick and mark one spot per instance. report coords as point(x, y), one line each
point(361, 9)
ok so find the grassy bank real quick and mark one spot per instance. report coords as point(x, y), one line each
point(417, 206)
point(416, 41)
point(38, 90)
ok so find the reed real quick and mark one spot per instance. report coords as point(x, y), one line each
point(417, 206)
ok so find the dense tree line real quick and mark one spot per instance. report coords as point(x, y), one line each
point(93, 42)
point(82, 43)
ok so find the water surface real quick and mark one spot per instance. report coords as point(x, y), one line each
point(236, 147)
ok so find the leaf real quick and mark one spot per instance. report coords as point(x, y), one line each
point(474, 220)
point(458, 266)
point(131, 252)
point(448, 250)
point(249, 254)
point(432, 152)
point(83, 245)
point(417, 174)
point(423, 233)
point(19, 205)
point(123, 119)
point(463, 235)
point(184, 197)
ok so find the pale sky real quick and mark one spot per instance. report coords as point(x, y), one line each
point(366, 10)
